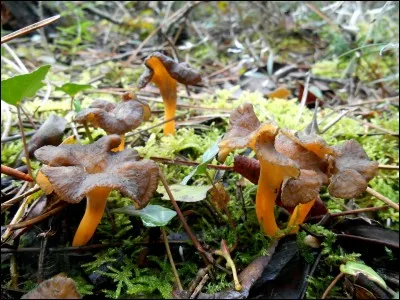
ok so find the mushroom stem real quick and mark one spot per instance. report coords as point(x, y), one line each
point(170, 109)
point(265, 203)
point(167, 86)
point(299, 215)
point(95, 205)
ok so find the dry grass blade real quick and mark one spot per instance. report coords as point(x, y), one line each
point(29, 28)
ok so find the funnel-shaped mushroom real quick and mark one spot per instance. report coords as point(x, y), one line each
point(115, 118)
point(94, 171)
point(164, 72)
point(350, 163)
point(275, 168)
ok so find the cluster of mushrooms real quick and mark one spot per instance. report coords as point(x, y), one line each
point(75, 171)
point(294, 166)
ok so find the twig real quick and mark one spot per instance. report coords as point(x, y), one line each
point(171, 259)
point(21, 128)
point(206, 256)
point(16, 59)
point(173, 18)
point(198, 288)
point(29, 28)
point(103, 15)
point(334, 281)
point(382, 198)
point(37, 219)
point(15, 173)
point(304, 97)
point(388, 167)
point(154, 126)
point(360, 238)
point(349, 212)
point(15, 137)
point(337, 119)
point(57, 250)
point(174, 161)
point(28, 117)
point(7, 125)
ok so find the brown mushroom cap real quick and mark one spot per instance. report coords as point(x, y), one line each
point(306, 159)
point(243, 129)
point(181, 72)
point(50, 133)
point(301, 190)
point(78, 169)
point(57, 287)
point(118, 119)
point(311, 142)
point(350, 164)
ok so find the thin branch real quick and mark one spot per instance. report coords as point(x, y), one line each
point(383, 198)
point(173, 161)
point(171, 259)
point(28, 29)
point(21, 128)
point(304, 97)
point(206, 256)
point(37, 219)
point(333, 283)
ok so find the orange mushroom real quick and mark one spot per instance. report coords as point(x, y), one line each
point(275, 168)
point(115, 118)
point(164, 72)
point(93, 171)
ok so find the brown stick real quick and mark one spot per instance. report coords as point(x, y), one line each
point(206, 256)
point(15, 173)
point(349, 212)
point(21, 128)
point(334, 281)
point(383, 198)
point(173, 161)
point(37, 219)
point(171, 259)
point(29, 28)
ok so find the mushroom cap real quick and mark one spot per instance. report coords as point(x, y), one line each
point(114, 119)
point(181, 72)
point(350, 163)
point(306, 159)
point(50, 133)
point(78, 169)
point(311, 142)
point(57, 287)
point(243, 129)
point(302, 189)
point(276, 166)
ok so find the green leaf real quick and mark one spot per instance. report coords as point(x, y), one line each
point(185, 193)
point(208, 156)
point(72, 89)
point(354, 268)
point(15, 89)
point(151, 215)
